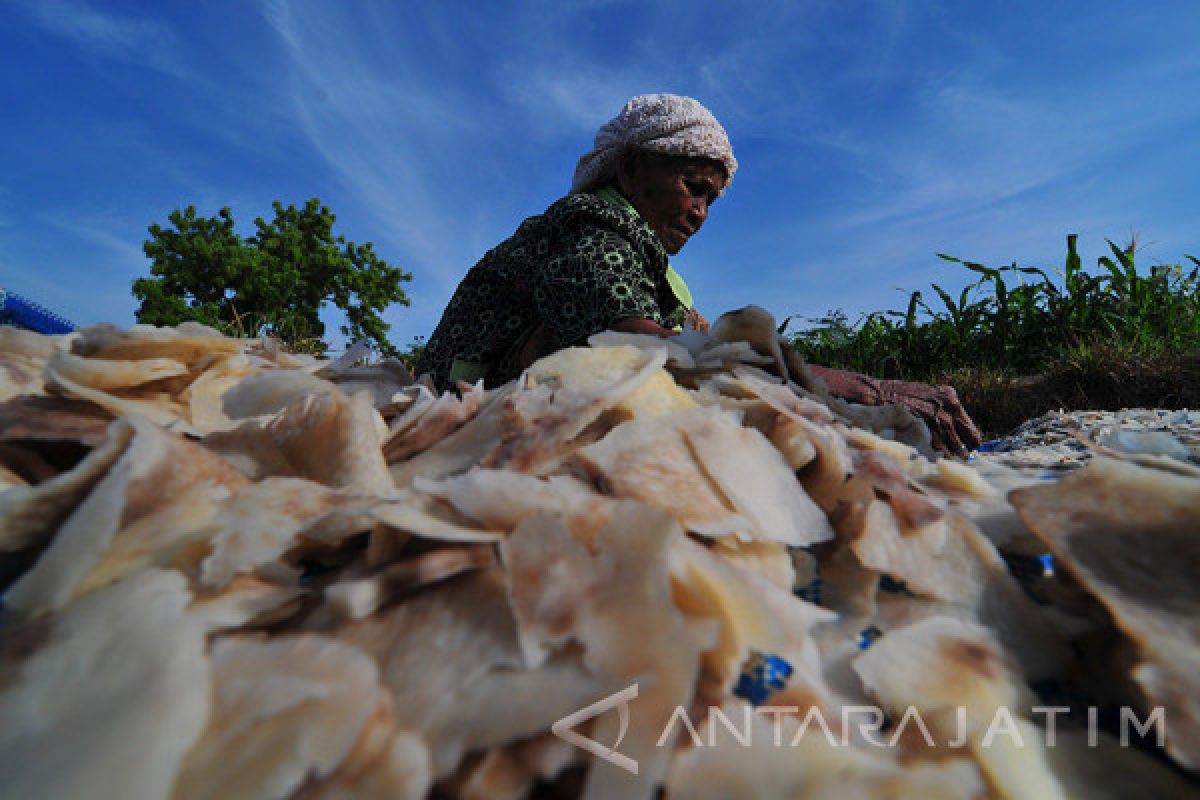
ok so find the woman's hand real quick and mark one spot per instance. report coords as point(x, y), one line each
point(951, 427)
point(949, 424)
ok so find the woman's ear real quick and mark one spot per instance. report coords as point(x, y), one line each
point(627, 169)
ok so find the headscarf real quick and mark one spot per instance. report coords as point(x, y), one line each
point(661, 123)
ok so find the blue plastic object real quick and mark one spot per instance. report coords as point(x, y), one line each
point(868, 636)
point(24, 313)
point(762, 675)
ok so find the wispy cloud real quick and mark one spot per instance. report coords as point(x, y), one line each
point(144, 41)
point(103, 233)
point(387, 136)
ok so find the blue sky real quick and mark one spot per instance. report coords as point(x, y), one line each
point(871, 135)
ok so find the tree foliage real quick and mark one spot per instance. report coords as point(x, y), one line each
point(273, 282)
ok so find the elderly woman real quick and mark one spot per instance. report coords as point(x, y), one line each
point(597, 260)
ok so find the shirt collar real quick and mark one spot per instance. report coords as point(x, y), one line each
point(617, 200)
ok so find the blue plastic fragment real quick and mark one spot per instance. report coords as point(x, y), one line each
point(990, 446)
point(868, 636)
point(1047, 560)
point(762, 675)
point(17, 310)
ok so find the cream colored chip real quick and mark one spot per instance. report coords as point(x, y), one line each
point(613, 598)
point(402, 770)
point(30, 515)
point(1015, 761)
point(677, 354)
point(23, 356)
point(499, 500)
point(952, 779)
point(162, 490)
point(730, 355)
point(333, 441)
point(31, 345)
point(744, 753)
point(264, 520)
point(271, 391)
point(157, 406)
point(657, 397)
point(283, 709)
point(771, 560)
point(752, 614)
point(566, 392)
point(106, 375)
point(755, 326)
point(383, 381)
point(430, 517)
point(972, 583)
point(189, 342)
point(9, 479)
point(105, 698)
point(203, 395)
point(752, 475)
point(462, 449)
point(650, 460)
point(1128, 535)
point(942, 664)
point(245, 601)
point(451, 658)
point(327, 438)
point(892, 421)
point(426, 424)
point(357, 598)
point(20, 375)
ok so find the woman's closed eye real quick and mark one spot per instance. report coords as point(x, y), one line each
point(700, 188)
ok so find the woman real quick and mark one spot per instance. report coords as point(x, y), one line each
point(597, 260)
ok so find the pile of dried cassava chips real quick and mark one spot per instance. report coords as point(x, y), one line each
point(233, 572)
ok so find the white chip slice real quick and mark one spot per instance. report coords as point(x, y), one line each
point(1128, 534)
point(942, 663)
point(649, 460)
point(145, 485)
point(283, 709)
point(452, 661)
point(111, 698)
point(756, 480)
point(29, 515)
point(99, 373)
point(567, 392)
point(613, 597)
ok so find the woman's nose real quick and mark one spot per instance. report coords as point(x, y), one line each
point(698, 212)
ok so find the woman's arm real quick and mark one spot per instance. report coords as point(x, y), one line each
point(949, 423)
point(647, 326)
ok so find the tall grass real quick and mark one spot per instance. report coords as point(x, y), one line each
point(1019, 320)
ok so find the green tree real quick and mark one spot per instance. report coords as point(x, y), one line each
point(273, 282)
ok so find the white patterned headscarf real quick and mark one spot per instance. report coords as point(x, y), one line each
point(660, 123)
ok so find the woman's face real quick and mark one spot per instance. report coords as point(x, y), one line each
point(672, 194)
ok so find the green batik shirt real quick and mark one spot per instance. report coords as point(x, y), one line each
point(587, 262)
